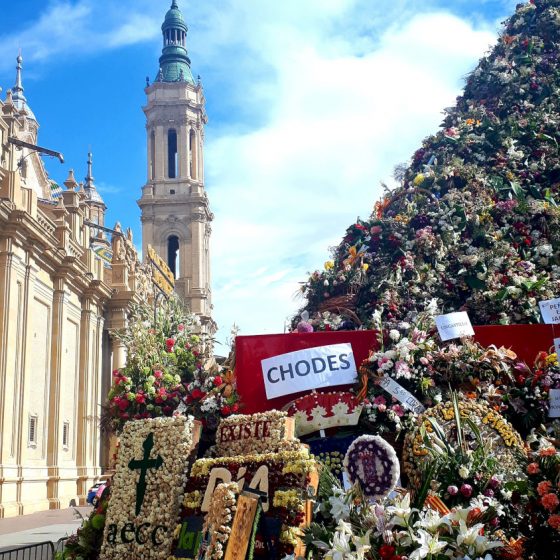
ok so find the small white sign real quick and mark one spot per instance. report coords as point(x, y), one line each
point(557, 347)
point(304, 370)
point(454, 325)
point(550, 311)
point(554, 399)
point(408, 400)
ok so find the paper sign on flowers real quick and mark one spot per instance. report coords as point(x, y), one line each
point(147, 488)
point(304, 370)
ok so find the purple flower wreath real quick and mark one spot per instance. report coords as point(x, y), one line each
point(373, 463)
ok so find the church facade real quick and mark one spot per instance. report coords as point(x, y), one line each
point(175, 208)
point(64, 287)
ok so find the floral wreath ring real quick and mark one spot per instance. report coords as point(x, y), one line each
point(373, 463)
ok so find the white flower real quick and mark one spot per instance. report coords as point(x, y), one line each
point(463, 471)
point(394, 334)
point(429, 544)
point(339, 508)
point(400, 511)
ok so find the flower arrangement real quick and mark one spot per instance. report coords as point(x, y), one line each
point(164, 367)
point(421, 366)
point(352, 527)
point(527, 400)
point(284, 476)
point(543, 512)
point(474, 222)
point(218, 520)
point(373, 464)
point(147, 488)
point(86, 542)
point(253, 434)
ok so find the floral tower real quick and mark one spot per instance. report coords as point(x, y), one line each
point(475, 222)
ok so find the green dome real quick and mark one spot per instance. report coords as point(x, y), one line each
point(174, 63)
point(174, 18)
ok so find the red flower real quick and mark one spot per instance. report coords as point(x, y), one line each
point(554, 522)
point(550, 502)
point(544, 487)
point(197, 393)
point(225, 410)
point(218, 381)
point(122, 404)
point(169, 343)
point(140, 398)
point(387, 551)
point(235, 407)
point(533, 468)
point(158, 374)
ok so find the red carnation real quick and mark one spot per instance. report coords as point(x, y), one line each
point(225, 410)
point(169, 343)
point(218, 381)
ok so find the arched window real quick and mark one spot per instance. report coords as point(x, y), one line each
point(173, 254)
point(193, 155)
point(172, 162)
point(153, 155)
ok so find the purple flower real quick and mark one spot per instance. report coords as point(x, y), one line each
point(304, 327)
point(452, 490)
point(466, 490)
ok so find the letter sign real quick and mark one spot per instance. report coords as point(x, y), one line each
point(304, 370)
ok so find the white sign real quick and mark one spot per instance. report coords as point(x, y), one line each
point(407, 399)
point(304, 370)
point(454, 325)
point(554, 398)
point(550, 311)
point(557, 347)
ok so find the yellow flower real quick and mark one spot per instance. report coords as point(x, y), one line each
point(552, 359)
point(329, 265)
point(365, 266)
point(419, 179)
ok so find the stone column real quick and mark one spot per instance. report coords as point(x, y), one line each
point(161, 154)
point(53, 433)
point(6, 257)
point(84, 399)
point(183, 151)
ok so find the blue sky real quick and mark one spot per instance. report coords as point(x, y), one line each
point(311, 105)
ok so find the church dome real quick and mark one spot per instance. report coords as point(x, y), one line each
point(174, 18)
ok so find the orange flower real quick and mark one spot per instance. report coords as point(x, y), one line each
point(548, 452)
point(533, 468)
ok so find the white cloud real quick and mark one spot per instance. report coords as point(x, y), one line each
point(336, 114)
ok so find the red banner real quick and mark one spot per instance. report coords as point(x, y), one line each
point(250, 350)
point(525, 340)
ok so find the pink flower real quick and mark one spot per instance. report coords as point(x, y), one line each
point(158, 374)
point(402, 369)
point(382, 408)
point(181, 327)
point(169, 344)
point(533, 468)
point(398, 409)
point(550, 502)
point(424, 361)
point(379, 400)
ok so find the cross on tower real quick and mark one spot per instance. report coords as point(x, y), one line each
point(144, 464)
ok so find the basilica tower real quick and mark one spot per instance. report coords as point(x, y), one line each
point(175, 210)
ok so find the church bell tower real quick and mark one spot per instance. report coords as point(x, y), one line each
point(175, 209)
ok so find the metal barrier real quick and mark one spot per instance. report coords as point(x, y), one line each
point(39, 551)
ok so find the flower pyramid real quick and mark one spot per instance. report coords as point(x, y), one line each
point(474, 223)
